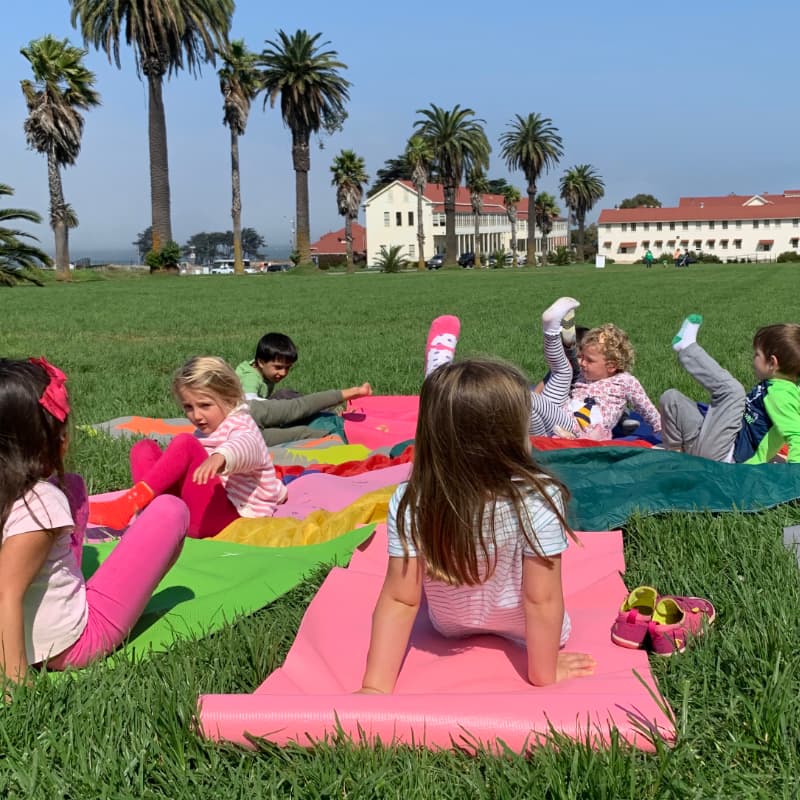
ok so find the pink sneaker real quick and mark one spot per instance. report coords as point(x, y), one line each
point(630, 629)
point(442, 340)
point(675, 620)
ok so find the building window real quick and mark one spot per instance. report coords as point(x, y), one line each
point(795, 223)
point(411, 218)
point(766, 223)
point(755, 223)
point(794, 242)
point(633, 226)
point(671, 244)
point(710, 244)
point(658, 226)
point(647, 226)
point(698, 225)
point(412, 251)
point(738, 223)
point(737, 243)
point(685, 226)
point(398, 218)
point(724, 224)
point(776, 223)
point(672, 226)
point(624, 226)
point(646, 244)
point(386, 221)
point(697, 244)
point(711, 225)
point(723, 243)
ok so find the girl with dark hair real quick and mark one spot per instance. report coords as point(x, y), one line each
point(48, 612)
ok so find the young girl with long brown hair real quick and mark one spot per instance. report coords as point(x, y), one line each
point(479, 526)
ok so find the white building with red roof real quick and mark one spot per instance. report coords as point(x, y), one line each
point(757, 227)
point(391, 220)
point(332, 247)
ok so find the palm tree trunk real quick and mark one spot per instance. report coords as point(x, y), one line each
point(514, 242)
point(159, 166)
point(581, 251)
point(531, 244)
point(236, 205)
point(348, 240)
point(420, 231)
point(301, 160)
point(58, 219)
point(450, 242)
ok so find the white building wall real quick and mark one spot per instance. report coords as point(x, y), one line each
point(727, 239)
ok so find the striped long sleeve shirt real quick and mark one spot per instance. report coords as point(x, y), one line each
point(249, 476)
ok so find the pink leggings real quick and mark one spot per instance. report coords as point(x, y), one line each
point(120, 589)
point(170, 472)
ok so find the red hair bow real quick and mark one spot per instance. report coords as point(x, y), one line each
point(54, 398)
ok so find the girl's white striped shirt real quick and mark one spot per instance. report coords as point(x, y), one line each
point(249, 477)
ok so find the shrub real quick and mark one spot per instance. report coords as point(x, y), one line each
point(165, 259)
point(561, 257)
point(788, 256)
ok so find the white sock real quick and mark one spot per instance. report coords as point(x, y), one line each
point(552, 316)
point(688, 332)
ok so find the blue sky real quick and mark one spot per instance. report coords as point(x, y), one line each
point(669, 98)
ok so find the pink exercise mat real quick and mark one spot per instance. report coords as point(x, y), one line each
point(466, 693)
point(381, 420)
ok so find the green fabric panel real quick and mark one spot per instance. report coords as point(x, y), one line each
point(212, 583)
point(608, 484)
point(329, 424)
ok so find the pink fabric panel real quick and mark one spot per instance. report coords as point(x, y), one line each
point(469, 691)
point(381, 420)
point(319, 491)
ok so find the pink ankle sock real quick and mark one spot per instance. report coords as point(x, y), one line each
point(442, 340)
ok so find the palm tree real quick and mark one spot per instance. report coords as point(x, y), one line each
point(17, 256)
point(349, 177)
point(478, 186)
point(546, 210)
point(419, 156)
point(459, 145)
point(313, 94)
point(531, 145)
point(239, 82)
point(581, 187)
point(62, 87)
point(392, 259)
point(166, 35)
point(511, 197)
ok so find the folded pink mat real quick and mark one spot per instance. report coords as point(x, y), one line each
point(381, 420)
point(466, 693)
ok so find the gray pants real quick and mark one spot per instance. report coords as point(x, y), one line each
point(683, 427)
point(274, 416)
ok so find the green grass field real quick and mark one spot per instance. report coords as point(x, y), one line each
point(126, 731)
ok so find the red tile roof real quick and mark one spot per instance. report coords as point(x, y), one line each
point(333, 243)
point(697, 209)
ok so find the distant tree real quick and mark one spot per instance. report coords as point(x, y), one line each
point(478, 186)
point(252, 242)
point(312, 94)
point(496, 185)
point(166, 36)
point(19, 259)
point(392, 259)
point(393, 169)
point(419, 157)
point(459, 145)
point(589, 240)
point(349, 177)
point(239, 82)
point(546, 212)
point(532, 145)
point(511, 198)
point(639, 200)
point(62, 87)
point(581, 187)
point(144, 241)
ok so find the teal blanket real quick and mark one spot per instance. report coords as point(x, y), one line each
point(608, 484)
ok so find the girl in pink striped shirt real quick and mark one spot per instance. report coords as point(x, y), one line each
point(223, 471)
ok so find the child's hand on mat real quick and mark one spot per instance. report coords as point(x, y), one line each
point(211, 467)
point(574, 665)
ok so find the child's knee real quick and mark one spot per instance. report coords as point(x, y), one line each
point(669, 400)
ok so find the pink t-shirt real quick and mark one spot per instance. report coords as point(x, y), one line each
point(54, 605)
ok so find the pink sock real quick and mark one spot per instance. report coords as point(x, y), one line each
point(442, 340)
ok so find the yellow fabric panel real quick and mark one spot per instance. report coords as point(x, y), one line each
point(319, 526)
point(337, 454)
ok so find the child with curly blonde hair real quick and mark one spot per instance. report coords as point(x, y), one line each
point(592, 405)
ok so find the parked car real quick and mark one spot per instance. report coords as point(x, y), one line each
point(466, 260)
point(278, 267)
point(435, 262)
point(222, 269)
point(521, 261)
